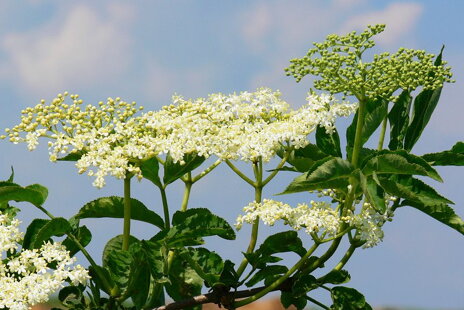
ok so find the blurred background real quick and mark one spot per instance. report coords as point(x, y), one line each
point(145, 51)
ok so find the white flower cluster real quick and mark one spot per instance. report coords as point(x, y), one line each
point(244, 126)
point(316, 217)
point(369, 225)
point(26, 278)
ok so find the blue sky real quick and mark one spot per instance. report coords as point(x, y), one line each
point(148, 50)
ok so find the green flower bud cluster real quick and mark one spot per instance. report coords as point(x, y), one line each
point(338, 62)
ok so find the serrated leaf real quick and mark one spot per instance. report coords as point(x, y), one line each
point(398, 162)
point(329, 143)
point(32, 231)
point(266, 272)
point(399, 120)
point(374, 193)
point(150, 171)
point(102, 278)
point(197, 223)
point(113, 244)
point(174, 171)
point(73, 156)
point(287, 299)
point(184, 281)
point(57, 226)
point(453, 157)
point(412, 189)
point(35, 193)
point(118, 263)
point(376, 111)
point(336, 277)
point(303, 158)
point(113, 207)
point(326, 173)
point(442, 213)
point(282, 242)
point(345, 298)
point(304, 284)
point(83, 235)
point(209, 265)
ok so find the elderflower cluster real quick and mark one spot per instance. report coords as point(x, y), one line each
point(317, 217)
point(338, 62)
point(314, 218)
point(26, 277)
point(110, 140)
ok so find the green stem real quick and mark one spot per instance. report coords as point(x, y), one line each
point(382, 134)
point(276, 170)
point(127, 213)
point(279, 281)
point(254, 234)
point(188, 186)
point(359, 131)
point(239, 173)
point(165, 208)
point(345, 257)
point(206, 171)
point(314, 301)
point(321, 260)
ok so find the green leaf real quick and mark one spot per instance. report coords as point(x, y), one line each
point(197, 223)
point(442, 213)
point(303, 158)
point(155, 259)
point(102, 276)
point(398, 162)
point(70, 296)
point(424, 105)
point(458, 148)
point(287, 299)
point(412, 189)
point(114, 244)
point(326, 173)
point(376, 111)
point(113, 207)
point(184, 281)
point(399, 120)
point(138, 285)
point(265, 273)
point(118, 263)
point(208, 265)
point(304, 284)
point(453, 157)
point(32, 231)
point(345, 298)
point(83, 235)
point(336, 277)
point(374, 193)
point(73, 156)
point(174, 171)
point(11, 178)
point(329, 143)
point(35, 193)
point(150, 171)
point(282, 242)
point(41, 231)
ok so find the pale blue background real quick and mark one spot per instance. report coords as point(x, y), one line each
point(148, 50)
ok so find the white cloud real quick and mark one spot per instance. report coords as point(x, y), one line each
point(400, 18)
point(78, 49)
